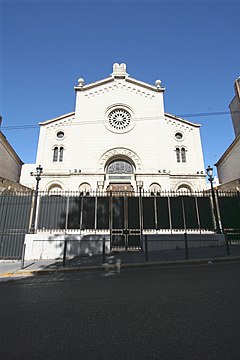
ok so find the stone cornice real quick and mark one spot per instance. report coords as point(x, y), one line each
point(112, 79)
point(189, 175)
point(61, 117)
point(94, 84)
point(173, 117)
point(145, 85)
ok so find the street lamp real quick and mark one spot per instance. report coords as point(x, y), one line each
point(37, 175)
point(209, 171)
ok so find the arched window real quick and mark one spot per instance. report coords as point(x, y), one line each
point(85, 188)
point(184, 188)
point(178, 154)
point(55, 189)
point(61, 154)
point(183, 154)
point(55, 154)
point(58, 153)
point(155, 188)
point(119, 167)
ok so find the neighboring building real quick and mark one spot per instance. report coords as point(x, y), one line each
point(10, 166)
point(228, 166)
point(119, 138)
point(235, 107)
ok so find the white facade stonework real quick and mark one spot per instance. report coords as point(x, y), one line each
point(119, 137)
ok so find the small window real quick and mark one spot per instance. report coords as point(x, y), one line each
point(55, 189)
point(85, 188)
point(60, 134)
point(184, 189)
point(178, 154)
point(183, 155)
point(61, 154)
point(178, 136)
point(155, 188)
point(55, 154)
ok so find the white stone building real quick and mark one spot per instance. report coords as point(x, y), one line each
point(119, 138)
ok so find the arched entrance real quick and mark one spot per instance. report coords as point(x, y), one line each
point(125, 230)
point(119, 173)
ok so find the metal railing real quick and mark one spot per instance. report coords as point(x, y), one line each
point(114, 213)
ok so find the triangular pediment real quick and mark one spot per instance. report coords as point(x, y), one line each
point(178, 120)
point(111, 80)
point(119, 74)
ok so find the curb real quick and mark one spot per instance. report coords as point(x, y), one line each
point(155, 264)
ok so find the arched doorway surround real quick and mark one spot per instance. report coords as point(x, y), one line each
point(119, 166)
point(120, 174)
point(120, 153)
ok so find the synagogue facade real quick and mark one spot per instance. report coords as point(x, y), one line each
point(119, 138)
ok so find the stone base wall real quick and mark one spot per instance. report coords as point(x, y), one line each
point(51, 246)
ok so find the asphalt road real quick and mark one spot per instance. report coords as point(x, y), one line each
point(188, 312)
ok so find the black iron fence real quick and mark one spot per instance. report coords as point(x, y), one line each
point(15, 212)
point(100, 211)
point(122, 215)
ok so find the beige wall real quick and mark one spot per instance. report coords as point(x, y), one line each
point(235, 108)
point(235, 114)
point(228, 166)
point(10, 163)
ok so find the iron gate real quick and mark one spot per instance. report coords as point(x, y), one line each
point(125, 223)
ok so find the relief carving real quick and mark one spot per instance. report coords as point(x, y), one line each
point(120, 151)
point(119, 85)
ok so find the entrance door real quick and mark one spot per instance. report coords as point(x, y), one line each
point(117, 188)
point(125, 223)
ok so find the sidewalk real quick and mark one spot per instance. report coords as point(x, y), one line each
point(126, 259)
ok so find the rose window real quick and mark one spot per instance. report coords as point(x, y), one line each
point(119, 119)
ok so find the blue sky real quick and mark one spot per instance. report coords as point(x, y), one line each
point(192, 46)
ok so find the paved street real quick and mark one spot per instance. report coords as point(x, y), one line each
point(188, 312)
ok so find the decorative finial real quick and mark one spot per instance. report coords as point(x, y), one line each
point(119, 70)
point(80, 82)
point(158, 83)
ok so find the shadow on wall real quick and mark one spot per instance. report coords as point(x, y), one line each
point(80, 245)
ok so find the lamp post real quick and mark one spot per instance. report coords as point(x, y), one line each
point(37, 175)
point(209, 171)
